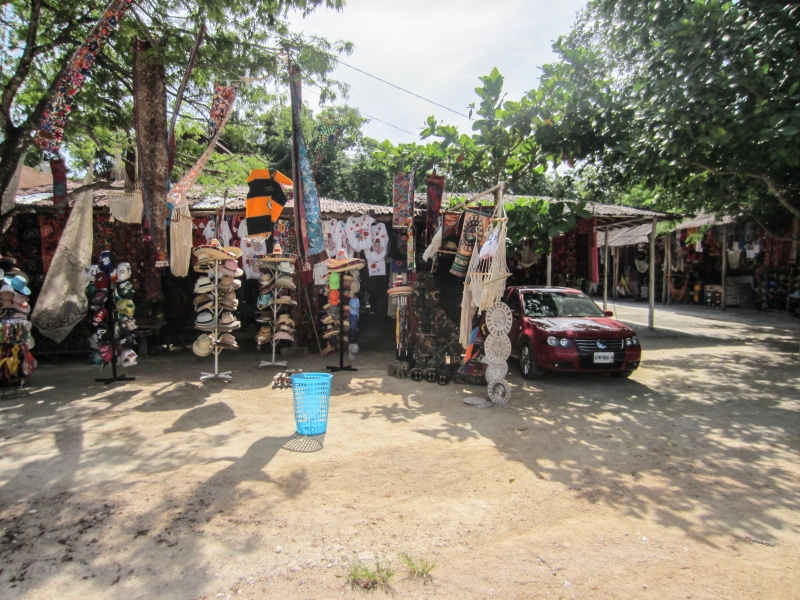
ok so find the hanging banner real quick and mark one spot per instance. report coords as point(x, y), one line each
point(55, 116)
point(435, 192)
point(403, 199)
point(150, 119)
point(306, 200)
point(62, 303)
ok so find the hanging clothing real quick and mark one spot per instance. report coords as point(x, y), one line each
point(358, 232)
point(225, 234)
point(250, 248)
point(334, 236)
point(435, 192)
point(376, 253)
point(210, 230)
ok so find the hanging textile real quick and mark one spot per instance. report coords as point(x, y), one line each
point(30, 243)
point(10, 194)
point(265, 200)
point(403, 199)
point(150, 118)
point(54, 118)
point(51, 227)
point(126, 206)
point(450, 231)
point(476, 220)
point(62, 302)
point(306, 200)
point(411, 254)
point(435, 191)
point(59, 170)
point(180, 240)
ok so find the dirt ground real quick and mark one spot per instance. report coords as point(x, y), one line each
point(682, 482)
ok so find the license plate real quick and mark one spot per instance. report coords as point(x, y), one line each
point(603, 357)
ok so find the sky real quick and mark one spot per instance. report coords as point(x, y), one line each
point(437, 49)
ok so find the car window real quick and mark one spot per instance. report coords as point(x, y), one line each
point(560, 304)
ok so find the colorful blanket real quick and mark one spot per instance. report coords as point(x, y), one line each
point(54, 118)
point(150, 118)
point(403, 199)
point(59, 170)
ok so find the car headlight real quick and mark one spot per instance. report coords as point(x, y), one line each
point(556, 341)
point(635, 340)
point(628, 342)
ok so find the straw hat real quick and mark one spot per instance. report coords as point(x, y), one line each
point(343, 263)
point(214, 251)
point(202, 345)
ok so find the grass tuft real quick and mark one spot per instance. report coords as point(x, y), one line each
point(420, 567)
point(362, 577)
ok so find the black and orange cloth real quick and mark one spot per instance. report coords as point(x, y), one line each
point(265, 200)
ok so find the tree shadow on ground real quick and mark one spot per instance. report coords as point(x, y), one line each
point(202, 417)
point(699, 454)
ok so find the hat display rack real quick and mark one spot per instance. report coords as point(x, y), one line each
point(277, 276)
point(339, 322)
point(16, 361)
point(214, 302)
point(112, 318)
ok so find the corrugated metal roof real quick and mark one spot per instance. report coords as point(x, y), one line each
point(702, 219)
point(629, 236)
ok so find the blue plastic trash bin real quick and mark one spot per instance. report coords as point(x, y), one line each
point(312, 396)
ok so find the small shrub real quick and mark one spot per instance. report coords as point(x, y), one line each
point(420, 567)
point(362, 577)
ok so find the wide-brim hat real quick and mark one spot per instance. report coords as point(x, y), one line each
point(284, 318)
point(19, 283)
point(202, 345)
point(230, 267)
point(228, 284)
point(226, 340)
point(285, 300)
point(7, 262)
point(277, 256)
point(401, 290)
point(205, 265)
point(202, 298)
point(215, 251)
point(330, 332)
point(236, 251)
point(286, 282)
point(204, 285)
point(283, 335)
point(343, 263)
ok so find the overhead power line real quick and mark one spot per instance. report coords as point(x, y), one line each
point(364, 114)
point(402, 89)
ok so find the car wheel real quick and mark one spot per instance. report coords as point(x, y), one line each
point(527, 365)
point(622, 375)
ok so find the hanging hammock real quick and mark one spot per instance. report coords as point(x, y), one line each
point(488, 269)
point(125, 206)
point(180, 240)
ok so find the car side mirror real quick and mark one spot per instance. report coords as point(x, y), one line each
point(609, 313)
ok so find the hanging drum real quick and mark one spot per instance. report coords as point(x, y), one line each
point(497, 348)
point(499, 319)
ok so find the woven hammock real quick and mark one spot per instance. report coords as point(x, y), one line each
point(488, 269)
point(126, 206)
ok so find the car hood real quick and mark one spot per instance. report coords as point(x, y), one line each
point(578, 327)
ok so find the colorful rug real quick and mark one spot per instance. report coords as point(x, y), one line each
point(403, 199)
point(54, 118)
point(30, 243)
point(476, 221)
point(435, 192)
point(150, 118)
point(450, 231)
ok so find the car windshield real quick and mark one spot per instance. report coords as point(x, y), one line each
point(559, 304)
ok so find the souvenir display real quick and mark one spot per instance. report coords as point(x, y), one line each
point(16, 361)
point(343, 308)
point(112, 316)
point(275, 300)
point(215, 303)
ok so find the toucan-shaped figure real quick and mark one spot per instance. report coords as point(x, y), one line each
point(265, 200)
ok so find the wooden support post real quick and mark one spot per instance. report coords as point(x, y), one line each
point(669, 270)
point(651, 295)
point(616, 272)
point(605, 272)
point(723, 301)
point(550, 265)
point(664, 274)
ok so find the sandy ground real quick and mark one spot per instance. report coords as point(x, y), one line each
point(682, 482)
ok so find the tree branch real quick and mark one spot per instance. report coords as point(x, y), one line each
point(23, 66)
point(780, 238)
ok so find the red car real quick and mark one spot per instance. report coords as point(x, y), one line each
point(561, 329)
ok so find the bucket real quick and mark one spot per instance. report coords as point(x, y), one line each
point(312, 395)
